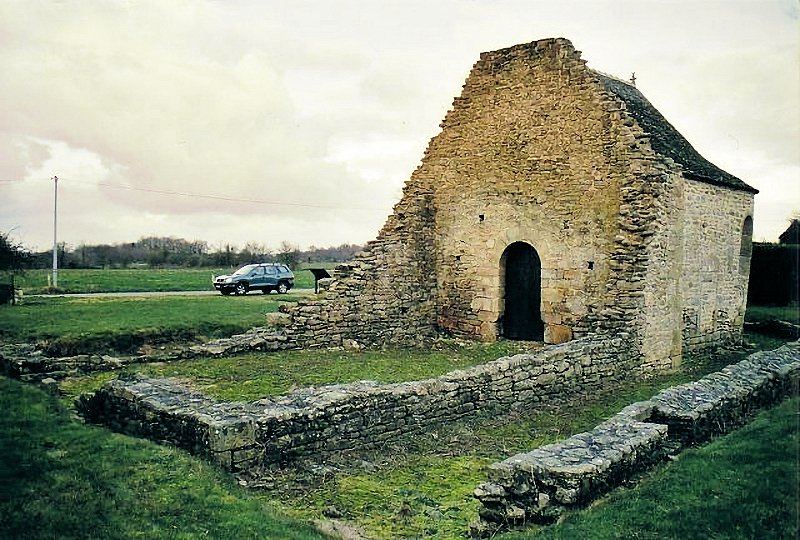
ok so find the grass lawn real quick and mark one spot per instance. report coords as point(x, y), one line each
point(77, 481)
point(252, 376)
point(73, 325)
point(768, 313)
point(744, 485)
point(420, 486)
point(63, 479)
point(140, 279)
point(60, 478)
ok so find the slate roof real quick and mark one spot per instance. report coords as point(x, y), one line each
point(666, 140)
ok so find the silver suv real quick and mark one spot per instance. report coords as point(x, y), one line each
point(266, 277)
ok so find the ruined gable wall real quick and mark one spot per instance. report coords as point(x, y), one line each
point(535, 149)
point(385, 294)
point(713, 285)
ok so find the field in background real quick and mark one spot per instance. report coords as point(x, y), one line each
point(771, 313)
point(141, 279)
point(108, 320)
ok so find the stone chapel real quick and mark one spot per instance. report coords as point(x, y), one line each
point(555, 203)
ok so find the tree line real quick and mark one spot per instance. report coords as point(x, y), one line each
point(159, 252)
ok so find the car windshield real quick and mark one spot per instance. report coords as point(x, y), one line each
point(244, 269)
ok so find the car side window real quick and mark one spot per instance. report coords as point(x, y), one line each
point(271, 270)
point(259, 270)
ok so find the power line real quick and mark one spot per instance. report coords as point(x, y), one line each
point(214, 197)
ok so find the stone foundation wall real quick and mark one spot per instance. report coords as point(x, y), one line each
point(28, 363)
point(540, 485)
point(316, 421)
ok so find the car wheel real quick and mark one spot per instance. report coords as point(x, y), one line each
point(283, 288)
point(241, 289)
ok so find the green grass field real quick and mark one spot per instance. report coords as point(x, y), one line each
point(75, 325)
point(416, 487)
point(63, 479)
point(73, 479)
point(771, 313)
point(145, 279)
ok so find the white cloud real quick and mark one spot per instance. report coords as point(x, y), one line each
point(331, 104)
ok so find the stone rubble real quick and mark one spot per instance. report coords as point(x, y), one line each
point(28, 363)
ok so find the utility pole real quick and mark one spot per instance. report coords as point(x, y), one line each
point(55, 232)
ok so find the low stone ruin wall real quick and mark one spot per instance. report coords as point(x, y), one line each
point(28, 363)
point(315, 421)
point(538, 486)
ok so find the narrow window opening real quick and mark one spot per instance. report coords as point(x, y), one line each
point(746, 244)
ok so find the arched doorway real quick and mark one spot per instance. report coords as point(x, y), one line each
point(522, 268)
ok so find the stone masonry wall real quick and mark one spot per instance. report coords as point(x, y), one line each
point(532, 487)
point(660, 317)
point(713, 284)
point(521, 158)
point(385, 295)
point(26, 362)
point(314, 421)
point(542, 150)
point(536, 150)
point(539, 486)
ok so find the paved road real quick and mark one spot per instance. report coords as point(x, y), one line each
point(153, 293)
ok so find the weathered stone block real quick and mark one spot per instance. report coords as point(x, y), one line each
point(557, 333)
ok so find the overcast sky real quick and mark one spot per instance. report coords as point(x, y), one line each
point(267, 121)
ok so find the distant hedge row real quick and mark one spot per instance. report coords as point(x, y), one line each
point(774, 275)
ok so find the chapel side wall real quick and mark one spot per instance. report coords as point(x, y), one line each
point(715, 273)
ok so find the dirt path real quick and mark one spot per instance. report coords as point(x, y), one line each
point(150, 293)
